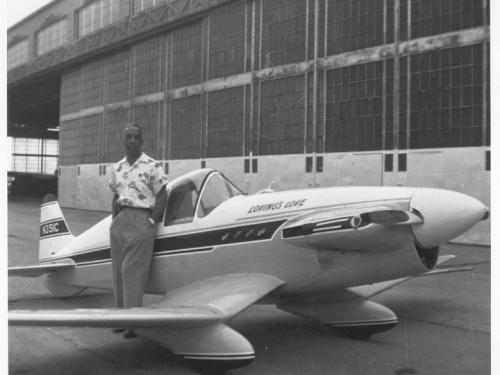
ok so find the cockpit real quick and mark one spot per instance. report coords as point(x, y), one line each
point(197, 193)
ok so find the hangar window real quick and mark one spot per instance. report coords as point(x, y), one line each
point(34, 155)
point(96, 15)
point(140, 5)
point(52, 36)
point(402, 162)
point(17, 54)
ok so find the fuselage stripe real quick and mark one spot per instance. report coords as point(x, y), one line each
point(159, 254)
point(196, 242)
point(55, 235)
point(245, 233)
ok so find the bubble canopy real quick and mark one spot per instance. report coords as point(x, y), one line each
point(197, 193)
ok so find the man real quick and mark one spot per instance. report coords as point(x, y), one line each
point(138, 184)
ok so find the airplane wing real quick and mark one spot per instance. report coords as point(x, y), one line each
point(113, 317)
point(350, 309)
point(190, 321)
point(217, 299)
point(367, 291)
point(40, 269)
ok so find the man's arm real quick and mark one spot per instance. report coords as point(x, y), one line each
point(161, 199)
point(114, 205)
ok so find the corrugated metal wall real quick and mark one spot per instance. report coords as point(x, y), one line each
point(289, 77)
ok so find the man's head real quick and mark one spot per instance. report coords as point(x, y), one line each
point(132, 138)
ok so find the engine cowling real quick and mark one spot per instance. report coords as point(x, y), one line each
point(446, 215)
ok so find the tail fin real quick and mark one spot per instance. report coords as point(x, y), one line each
point(54, 231)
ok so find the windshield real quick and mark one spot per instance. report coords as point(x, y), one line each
point(217, 190)
point(183, 195)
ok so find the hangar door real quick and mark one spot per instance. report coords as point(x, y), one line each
point(351, 170)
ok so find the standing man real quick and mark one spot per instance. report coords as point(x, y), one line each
point(138, 184)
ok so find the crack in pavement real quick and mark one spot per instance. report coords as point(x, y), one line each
point(461, 328)
point(83, 348)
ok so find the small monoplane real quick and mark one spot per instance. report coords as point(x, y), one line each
point(317, 253)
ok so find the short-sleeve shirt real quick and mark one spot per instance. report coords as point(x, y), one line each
point(137, 185)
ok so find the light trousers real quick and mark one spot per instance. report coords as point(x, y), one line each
point(132, 239)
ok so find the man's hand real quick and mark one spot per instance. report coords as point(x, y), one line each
point(152, 221)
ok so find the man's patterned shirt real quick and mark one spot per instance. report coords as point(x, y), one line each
point(137, 185)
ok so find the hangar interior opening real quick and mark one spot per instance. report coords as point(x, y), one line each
point(33, 131)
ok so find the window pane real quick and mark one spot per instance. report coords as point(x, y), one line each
point(215, 192)
point(32, 164)
point(96, 15)
point(51, 147)
point(49, 165)
point(17, 54)
point(140, 5)
point(52, 36)
point(33, 155)
point(181, 202)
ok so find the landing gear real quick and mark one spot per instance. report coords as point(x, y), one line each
point(364, 332)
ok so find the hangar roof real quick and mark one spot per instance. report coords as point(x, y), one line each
point(125, 30)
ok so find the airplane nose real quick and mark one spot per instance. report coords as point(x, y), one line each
point(446, 214)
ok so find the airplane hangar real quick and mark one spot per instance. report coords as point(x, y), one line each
point(301, 93)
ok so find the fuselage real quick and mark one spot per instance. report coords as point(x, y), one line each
point(244, 234)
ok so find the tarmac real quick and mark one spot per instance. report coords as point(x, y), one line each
point(444, 325)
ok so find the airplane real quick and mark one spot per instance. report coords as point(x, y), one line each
point(317, 253)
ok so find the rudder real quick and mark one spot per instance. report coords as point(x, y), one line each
point(54, 231)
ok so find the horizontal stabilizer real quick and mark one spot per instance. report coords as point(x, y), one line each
point(40, 269)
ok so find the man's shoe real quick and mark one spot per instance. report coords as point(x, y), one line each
point(129, 334)
point(118, 330)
